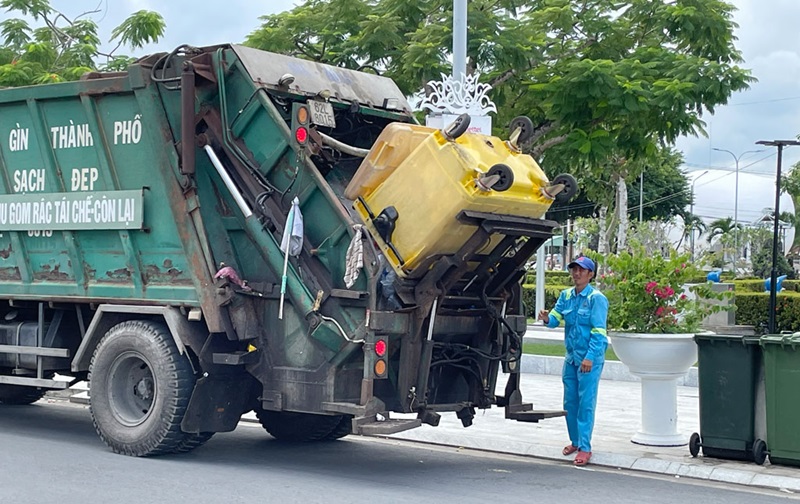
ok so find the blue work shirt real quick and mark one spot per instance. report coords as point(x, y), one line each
point(584, 317)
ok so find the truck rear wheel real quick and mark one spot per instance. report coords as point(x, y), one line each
point(139, 388)
point(192, 441)
point(342, 429)
point(19, 395)
point(291, 426)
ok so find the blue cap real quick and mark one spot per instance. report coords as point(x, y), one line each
point(584, 262)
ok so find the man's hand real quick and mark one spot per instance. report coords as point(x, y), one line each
point(544, 316)
point(586, 366)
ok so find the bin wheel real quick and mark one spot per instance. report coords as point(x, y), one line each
point(570, 187)
point(506, 177)
point(759, 451)
point(694, 444)
point(525, 125)
point(457, 127)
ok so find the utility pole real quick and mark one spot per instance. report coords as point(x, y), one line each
point(691, 212)
point(459, 39)
point(773, 277)
point(736, 204)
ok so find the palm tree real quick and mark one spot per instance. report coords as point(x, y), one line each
point(721, 227)
point(691, 223)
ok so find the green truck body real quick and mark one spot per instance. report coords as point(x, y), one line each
point(141, 220)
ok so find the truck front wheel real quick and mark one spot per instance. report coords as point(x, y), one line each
point(139, 388)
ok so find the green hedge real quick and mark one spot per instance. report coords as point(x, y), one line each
point(551, 293)
point(753, 309)
point(752, 302)
point(554, 277)
point(757, 285)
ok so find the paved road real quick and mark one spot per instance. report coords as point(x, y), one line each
point(51, 454)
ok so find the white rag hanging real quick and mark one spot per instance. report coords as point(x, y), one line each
point(354, 259)
point(293, 234)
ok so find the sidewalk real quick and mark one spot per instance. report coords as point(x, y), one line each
point(617, 419)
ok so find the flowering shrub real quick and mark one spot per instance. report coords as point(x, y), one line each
point(648, 293)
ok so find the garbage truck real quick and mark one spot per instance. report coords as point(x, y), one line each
point(222, 230)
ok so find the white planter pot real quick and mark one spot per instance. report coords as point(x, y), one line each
point(659, 360)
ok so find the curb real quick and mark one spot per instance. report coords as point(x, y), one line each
point(710, 471)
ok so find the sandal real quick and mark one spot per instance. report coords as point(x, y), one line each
point(582, 458)
point(569, 450)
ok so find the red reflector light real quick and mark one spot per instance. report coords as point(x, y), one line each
point(301, 135)
point(380, 348)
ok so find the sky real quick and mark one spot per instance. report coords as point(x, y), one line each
point(769, 110)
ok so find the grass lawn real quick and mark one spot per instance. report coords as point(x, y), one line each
point(556, 350)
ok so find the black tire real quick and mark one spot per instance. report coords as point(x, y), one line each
point(192, 441)
point(694, 444)
point(759, 451)
point(297, 427)
point(342, 429)
point(525, 124)
point(570, 187)
point(18, 395)
point(139, 388)
point(457, 127)
point(506, 177)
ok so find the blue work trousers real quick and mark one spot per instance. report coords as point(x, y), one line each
point(580, 400)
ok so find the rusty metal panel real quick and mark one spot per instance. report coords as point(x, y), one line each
point(85, 174)
point(344, 85)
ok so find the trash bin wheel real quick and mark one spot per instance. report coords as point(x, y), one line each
point(759, 451)
point(570, 187)
point(457, 127)
point(525, 125)
point(694, 444)
point(506, 177)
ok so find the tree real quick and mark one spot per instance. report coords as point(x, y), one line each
point(65, 48)
point(665, 193)
point(762, 258)
point(607, 83)
point(692, 223)
point(790, 184)
point(721, 227)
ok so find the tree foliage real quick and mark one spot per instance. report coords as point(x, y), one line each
point(63, 48)
point(762, 257)
point(608, 83)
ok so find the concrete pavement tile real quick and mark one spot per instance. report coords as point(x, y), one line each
point(651, 465)
point(613, 460)
point(768, 480)
point(740, 477)
point(696, 471)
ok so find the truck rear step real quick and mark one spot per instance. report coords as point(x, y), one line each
point(382, 425)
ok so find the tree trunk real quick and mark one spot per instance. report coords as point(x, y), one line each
point(602, 240)
point(622, 213)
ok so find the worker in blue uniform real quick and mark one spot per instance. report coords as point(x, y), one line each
point(584, 311)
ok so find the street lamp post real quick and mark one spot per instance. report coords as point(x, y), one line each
point(773, 276)
point(691, 211)
point(736, 204)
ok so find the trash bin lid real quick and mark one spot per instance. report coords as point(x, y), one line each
point(792, 339)
point(712, 338)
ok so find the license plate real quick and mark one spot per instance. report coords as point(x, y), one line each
point(321, 113)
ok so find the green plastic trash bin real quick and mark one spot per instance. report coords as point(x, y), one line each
point(729, 370)
point(782, 372)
